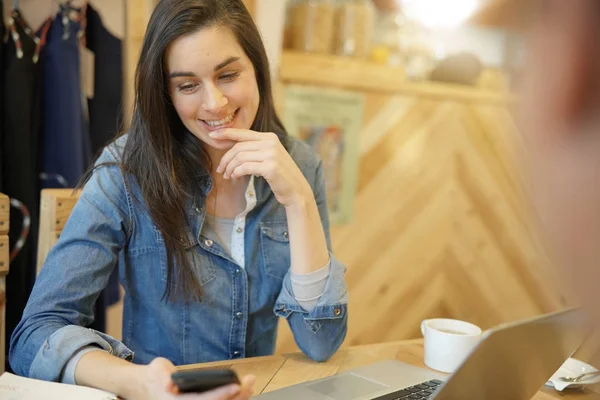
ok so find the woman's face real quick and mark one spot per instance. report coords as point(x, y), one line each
point(212, 83)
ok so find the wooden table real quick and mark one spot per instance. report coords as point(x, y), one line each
point(276, 372)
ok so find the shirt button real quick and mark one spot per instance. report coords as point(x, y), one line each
point(251, 193)
point(285, 234)
point(236, 353)
point(239, 229)
point(337, 312)
point(208, 242)
point(200, 209)
point(239, 315)
point(237, 271)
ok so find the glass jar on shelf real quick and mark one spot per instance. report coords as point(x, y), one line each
point(312, 25)
point(355, 20)
point(417, 46)
point(385, 46)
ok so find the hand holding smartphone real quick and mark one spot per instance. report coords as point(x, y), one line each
point(203, 380)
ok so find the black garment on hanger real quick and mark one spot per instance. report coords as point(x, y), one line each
point(21, 128)
point(106, 107)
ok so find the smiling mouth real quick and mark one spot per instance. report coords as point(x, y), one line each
point(221, 123)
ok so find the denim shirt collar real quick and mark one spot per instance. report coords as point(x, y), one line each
point(197, 205)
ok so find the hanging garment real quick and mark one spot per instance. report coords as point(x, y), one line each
point(66, 149)
point(106, 105)
point(21, 128)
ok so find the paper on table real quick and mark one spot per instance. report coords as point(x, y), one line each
point(13, 387)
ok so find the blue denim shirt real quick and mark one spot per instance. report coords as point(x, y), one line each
point(110, 227)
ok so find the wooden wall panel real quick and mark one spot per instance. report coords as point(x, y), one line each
point(441, 225)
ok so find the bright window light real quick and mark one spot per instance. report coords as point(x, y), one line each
point(439, 14)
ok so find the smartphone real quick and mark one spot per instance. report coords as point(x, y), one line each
point(203, 380)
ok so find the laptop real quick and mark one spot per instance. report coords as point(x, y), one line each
point(512, 361)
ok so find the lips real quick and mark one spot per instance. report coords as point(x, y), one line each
point(222, 122)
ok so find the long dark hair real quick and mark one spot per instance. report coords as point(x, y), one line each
point(161, 155)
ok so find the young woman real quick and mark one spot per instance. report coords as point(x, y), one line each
point(215, 218)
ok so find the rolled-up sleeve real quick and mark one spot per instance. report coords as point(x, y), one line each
point(320, 332)
point(68, 375)
point(53, 327)
point(66, 346)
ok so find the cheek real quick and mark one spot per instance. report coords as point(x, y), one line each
point(246, 94)
point(253, 103)
point(186, 107)
point(256, 97)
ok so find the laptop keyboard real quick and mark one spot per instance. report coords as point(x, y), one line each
point(418, 392)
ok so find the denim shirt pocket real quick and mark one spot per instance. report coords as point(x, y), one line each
point(275, 247)
point(204, 268)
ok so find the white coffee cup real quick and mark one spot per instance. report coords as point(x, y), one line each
point(448, 342)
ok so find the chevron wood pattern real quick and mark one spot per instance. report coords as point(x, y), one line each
point(441, 225)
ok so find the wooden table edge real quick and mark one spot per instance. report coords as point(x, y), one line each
point(407, 346)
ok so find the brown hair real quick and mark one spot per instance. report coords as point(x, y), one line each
point(161, 155)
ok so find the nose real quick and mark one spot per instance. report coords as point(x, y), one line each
point(214, 100)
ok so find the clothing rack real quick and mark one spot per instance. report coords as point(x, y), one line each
point(66, 122)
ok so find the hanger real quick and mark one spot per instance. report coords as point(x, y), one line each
point(56, 6)
point(65, 7)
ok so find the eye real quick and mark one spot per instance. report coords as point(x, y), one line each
point(230, 77)
point(188, 88)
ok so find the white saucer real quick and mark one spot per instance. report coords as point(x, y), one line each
point(572, 367)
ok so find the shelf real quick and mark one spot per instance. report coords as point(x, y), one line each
point(352, 74)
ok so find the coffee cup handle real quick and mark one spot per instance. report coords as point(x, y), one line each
point(423, 326)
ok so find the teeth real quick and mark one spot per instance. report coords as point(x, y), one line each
point(225, 121)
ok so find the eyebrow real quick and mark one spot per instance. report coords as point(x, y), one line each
point(226, 63)
point(179, 74)
point(188, 74)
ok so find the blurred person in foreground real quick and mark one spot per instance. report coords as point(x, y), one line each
point(561, 111)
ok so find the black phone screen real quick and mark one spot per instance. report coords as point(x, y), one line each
point(203, 380)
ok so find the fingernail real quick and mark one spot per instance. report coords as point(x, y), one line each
point(214, 134)
point(219, 169)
